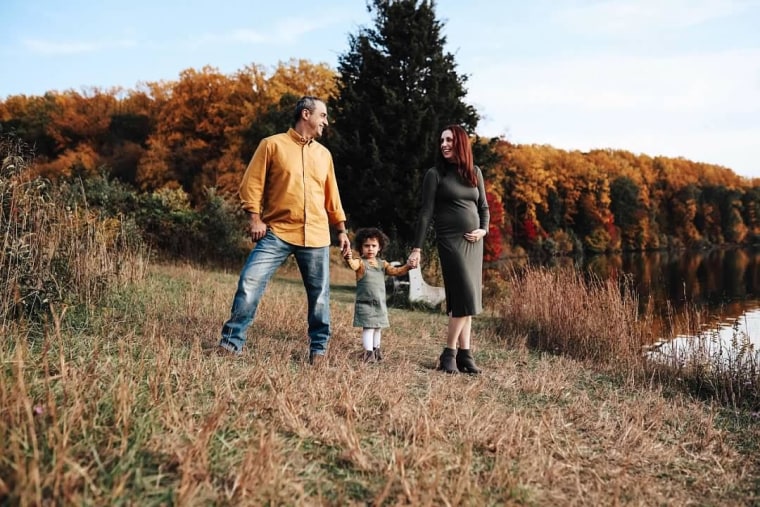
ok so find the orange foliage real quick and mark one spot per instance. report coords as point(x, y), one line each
point(80, 117)
point(665, 208)
point(82, 160)
point(201, 130)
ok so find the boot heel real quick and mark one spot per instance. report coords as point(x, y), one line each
point(465, 362)
point(447, 361)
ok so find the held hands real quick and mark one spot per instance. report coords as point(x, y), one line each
point(414, 258)
point(345, 245)
point(348, 255)
point(475, 235)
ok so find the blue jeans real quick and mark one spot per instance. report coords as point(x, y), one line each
point(268, 255)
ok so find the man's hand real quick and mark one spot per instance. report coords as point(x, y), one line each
point(256, 228)
point(345, 244)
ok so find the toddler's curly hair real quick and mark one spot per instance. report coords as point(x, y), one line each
point(366, 233)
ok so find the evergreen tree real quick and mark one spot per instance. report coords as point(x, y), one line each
point(397, 88)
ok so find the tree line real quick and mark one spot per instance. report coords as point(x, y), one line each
point(396, 86)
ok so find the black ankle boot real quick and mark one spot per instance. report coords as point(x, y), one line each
point(465, 362)
point(378, 354)
point(447, 362)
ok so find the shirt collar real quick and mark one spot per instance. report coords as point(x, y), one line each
point(298, 138)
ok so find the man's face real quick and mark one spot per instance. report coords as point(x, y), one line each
point(317, 120)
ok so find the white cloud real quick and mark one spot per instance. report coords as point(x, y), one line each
point(627, 17)
point(246, 35)
point(288, 31)
point(59, 48)
point(54, 48)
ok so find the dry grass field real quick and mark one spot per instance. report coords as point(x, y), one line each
point(127, 404)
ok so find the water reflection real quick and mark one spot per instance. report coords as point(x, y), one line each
point(666, 281)
point(722, 286)
point(731, 340)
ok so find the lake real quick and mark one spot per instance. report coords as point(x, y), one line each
point(723, 285)
point(715, 293)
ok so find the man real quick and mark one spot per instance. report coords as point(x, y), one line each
point(291, 196)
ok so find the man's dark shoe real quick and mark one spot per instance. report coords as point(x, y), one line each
point(317, 360)
point(222, 351)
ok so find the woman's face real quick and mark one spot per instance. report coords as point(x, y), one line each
point(447, 144)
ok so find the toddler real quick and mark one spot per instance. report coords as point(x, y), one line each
point(370, 310)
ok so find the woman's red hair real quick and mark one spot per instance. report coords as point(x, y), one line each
point(462, 154)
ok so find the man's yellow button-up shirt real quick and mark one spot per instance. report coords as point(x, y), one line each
point(291, 183)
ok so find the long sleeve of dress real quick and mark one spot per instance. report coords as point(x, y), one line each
point(391, 270)
point(357, 266)
point(429, 188)
point(353, 263)
point(483, 212)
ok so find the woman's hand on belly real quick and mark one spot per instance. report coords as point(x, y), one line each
point(475, 235)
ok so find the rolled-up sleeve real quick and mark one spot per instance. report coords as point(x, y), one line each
point(333, 204)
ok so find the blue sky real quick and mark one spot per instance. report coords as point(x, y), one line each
point(661, 77)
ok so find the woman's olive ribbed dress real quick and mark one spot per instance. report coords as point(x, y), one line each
point(455, 209)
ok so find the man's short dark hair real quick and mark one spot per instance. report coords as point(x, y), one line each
point(308, 102)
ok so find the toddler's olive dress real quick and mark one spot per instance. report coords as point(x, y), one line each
point(370, 309)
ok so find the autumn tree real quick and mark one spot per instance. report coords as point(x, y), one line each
point(751, 209)
point(398, 87)
point(624, 204)
point(191, 132)
point(301, 77)
point(526, 182)
point(79, 124)
point(719, 214)
point(208, 124)
point(274, 97)
point(26, 118)
point(493, 246)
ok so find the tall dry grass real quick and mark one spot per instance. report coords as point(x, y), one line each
point(54, 250)
point(133, 410)
point(713, 363)
point(560, 311)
